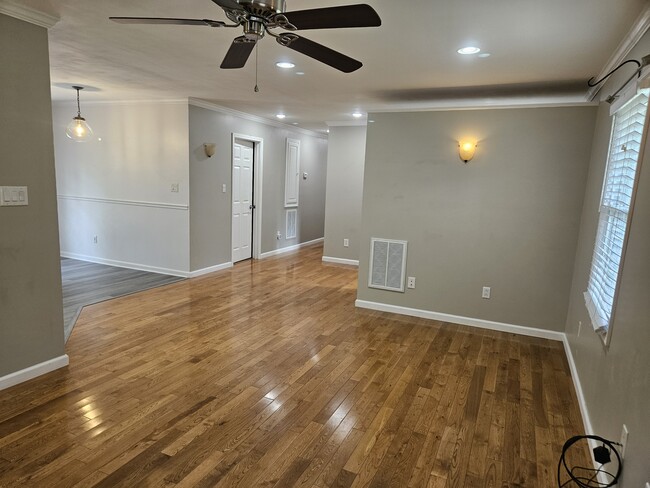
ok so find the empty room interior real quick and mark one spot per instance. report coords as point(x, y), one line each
point(321, 244)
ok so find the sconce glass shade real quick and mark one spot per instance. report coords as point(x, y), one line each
point(78, 130)
point(210, 149)
point(466, 150)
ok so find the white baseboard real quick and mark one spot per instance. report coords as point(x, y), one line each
point(211, 269)
point(351, 262)
point(33, 371)
point(578, 387)
point(290, 248)
point(125, 264)
point(457, 319)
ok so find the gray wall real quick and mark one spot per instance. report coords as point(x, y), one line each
point(508, 219)
point(210, 219)
point(31, 321)
point(616, 382)
point(345, 160)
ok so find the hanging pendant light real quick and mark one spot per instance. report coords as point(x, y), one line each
point(78, 129)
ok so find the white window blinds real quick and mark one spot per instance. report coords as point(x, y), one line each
point(614, 209)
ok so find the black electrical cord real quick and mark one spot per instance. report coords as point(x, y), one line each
point(586, 481)
point(592, 83)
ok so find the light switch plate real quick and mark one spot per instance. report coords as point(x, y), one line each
point(13, 196)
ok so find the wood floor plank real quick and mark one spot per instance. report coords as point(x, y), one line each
point(267, 375)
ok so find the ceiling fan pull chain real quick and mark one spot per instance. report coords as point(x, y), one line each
point(256, 89)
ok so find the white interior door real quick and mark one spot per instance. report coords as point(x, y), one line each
point(242, 200)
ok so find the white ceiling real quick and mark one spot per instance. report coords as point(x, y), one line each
point(539, 48)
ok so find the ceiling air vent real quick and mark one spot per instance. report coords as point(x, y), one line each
point(387, 264)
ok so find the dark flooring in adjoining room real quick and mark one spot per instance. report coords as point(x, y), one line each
point(86, 283)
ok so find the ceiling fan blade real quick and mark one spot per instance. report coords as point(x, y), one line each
point(228, 4)
point(166, 20)
point(360, 15)
point(319, 52)
point(238, 53)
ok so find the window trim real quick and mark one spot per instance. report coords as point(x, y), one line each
point(606, 335)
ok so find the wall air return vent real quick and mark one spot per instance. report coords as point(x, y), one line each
point(387, 264)
point(292, 224)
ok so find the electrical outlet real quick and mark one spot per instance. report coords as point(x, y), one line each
point(579, 327)
point(411, 282)
point(486, 292)
point(174, 187)
point(95, 240)
point(346, 242)
point(278, 236)
point(624, 434)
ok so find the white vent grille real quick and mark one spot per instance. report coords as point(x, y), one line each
point(387, 264)
point(292, 217)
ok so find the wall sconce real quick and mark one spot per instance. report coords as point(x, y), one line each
point(466, 150)
point(209, 149)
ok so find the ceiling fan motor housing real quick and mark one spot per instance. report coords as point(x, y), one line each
point(262, 8)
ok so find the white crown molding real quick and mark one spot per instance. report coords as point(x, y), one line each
point(636, 32)
point(168, 101)
point(253, 118)
point(18, 11)
point(347, 123)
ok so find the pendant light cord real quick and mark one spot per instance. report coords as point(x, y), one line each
point(78, 105)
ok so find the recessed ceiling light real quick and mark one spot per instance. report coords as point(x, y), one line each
point(484, 55)
point(357, 115)
point(469, 50)
point(300, 73)
point(280, 116)
point(285, 65)
point(371, 121)
point(294, 123)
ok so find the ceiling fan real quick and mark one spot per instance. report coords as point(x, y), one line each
point(259, 17)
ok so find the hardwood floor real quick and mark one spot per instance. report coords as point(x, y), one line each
point(86, 283)
point(267, 375)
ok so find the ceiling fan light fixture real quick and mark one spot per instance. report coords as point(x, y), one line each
point(285, 65)
point(469, 50)
point(78, 129)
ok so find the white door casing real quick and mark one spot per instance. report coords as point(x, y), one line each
point(242, 200)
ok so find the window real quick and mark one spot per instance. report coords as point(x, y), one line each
point(615, 204)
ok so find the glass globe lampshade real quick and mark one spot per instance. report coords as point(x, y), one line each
point(78, 129)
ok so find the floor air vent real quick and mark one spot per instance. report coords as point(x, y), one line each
point(387, 264)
